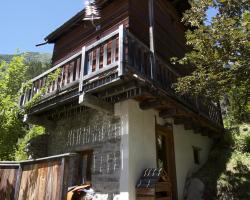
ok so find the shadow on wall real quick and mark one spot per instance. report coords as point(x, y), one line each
point(226, 175)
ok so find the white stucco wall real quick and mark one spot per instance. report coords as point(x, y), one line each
point(138, 148)
point(184, 141)
point(137, 144)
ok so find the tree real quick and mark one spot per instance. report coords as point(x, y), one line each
point(14, 133)
point(219, 53)
point(11, 126)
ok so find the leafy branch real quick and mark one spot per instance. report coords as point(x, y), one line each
point(38, 96)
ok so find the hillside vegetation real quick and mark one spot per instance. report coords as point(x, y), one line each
point(29, 56)
point(226, 175)
point(36, 62)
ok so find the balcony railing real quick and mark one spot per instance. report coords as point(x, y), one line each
point(70, 75)
point(118, 53)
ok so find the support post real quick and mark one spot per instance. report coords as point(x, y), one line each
point(82, 69)
point(151, 37)
point(121, 50)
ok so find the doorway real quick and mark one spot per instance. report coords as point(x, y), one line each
point(166, 155)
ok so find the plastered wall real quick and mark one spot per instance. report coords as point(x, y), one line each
point(137, 145)
point(184, 141)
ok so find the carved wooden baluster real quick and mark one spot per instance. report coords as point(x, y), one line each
point(97, 59)
point(78, 68)
point(62, 77)
point(101, 59)
point(51, 87)
point(36, 87)
point(105, 56)
point(165, 77)
point(94, 61)
point(117, 49)
point(90, 62)
point(72, 66)
point(113, 51)
point(32, 90)
point(135, 56)
point(74, 70)
point(29, 94)
point(109, 52)
point(130, 52)
point(66, 74)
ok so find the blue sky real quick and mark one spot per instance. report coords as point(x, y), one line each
point(25, 23)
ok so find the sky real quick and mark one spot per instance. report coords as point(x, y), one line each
point(25, 23)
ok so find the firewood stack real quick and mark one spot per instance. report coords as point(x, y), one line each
point(154, 184)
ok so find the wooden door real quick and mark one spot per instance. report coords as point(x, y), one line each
point(166, 155)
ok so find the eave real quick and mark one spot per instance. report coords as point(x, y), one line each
point(180, 5)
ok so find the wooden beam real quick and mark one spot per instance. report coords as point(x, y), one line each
point(188, 125)
point(96, 103)
point(39, 120)
point(168, 113)
point(179, 120)
point(146, 105)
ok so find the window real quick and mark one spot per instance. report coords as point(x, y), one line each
point(86, 166)
point(196, 153)
point(161, 151)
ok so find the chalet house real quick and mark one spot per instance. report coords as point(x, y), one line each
point(112, 112)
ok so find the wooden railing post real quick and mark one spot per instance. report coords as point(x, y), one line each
point(121, 50)
point(82, 69)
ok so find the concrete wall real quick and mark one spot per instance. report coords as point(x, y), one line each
point(137, 145)
point(184, 141)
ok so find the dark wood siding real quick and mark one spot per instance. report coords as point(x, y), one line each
point(139, 21)
point(169, 31)
point(113, 15)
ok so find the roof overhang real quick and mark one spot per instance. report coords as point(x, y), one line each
point(71, 22)
point(52, 37)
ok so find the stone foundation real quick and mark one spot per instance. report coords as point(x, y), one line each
point(95, 131)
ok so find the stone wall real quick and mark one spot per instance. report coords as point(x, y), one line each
point(91, 130)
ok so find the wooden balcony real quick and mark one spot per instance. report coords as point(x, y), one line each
point(116, 67)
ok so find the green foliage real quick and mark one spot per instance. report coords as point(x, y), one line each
point(227, 173)
point(11, 125)
point(20, 153)
point(12, 128)
point(220, 50)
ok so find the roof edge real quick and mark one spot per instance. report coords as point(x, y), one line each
point(68, 24)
